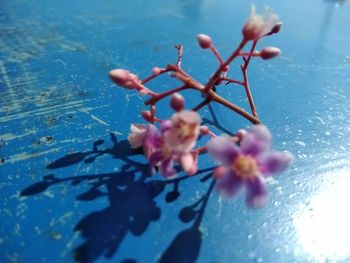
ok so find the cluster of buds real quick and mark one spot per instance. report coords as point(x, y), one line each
point(171, 144)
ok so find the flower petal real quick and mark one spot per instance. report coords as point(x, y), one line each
point(184, 131)
point(170, 138)
point(166, 168)
point(223, 150)
point(256, 192)
point(256, 141)
point(187, 116)
point(275, 162)
point(188, 163)
point(137, 136)
point(153, 137)
point(155, 158)
point(165, 125)
point(229, 184)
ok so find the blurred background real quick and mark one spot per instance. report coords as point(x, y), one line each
point(72, 190)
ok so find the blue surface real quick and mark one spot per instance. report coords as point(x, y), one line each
point(84, 198)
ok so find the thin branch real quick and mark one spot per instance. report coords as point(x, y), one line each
point(154, 76)
point(246, 82)
point(179, 55)
point(216, 54)
point(160, 96)
point(222, 67)
point(215, 97)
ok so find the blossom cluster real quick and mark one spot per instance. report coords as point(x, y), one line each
point(170, 145)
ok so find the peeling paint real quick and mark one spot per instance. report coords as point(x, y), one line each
point(26, 155)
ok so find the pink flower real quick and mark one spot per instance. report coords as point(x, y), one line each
point(137, 135)
point(260, 25)
point(183, 131)
point(172, 143)
point(247, 165)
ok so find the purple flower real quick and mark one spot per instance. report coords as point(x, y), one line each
point(172, 143)
point(247, 165)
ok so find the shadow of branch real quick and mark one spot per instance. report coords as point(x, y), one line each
point(185, 247)
point(131, 197)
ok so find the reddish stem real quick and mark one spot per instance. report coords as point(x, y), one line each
point(202, 104)
point(216, 54)
point(250, 54)
point(201, 150)
point(207, 90)
point(154, 76)
point(246, 82)
point(222, 67)
point(232, 81)
point(160, 96)
point(215, 97)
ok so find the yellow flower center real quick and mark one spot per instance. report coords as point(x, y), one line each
point(185, 130)
point(245, 167)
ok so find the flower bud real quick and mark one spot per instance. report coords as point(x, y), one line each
point(177, 102)
point(219, 172)
point(269, 52)
point(253, 28)
point(124, 78)
point(258, 26)
point(119, 76)
point(204, 41)
point(147, 115)
point(241, 133)
point(203, 130)
point(276, 28)
point(156, 71)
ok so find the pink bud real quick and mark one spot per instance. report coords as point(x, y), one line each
point(253, 28)
point(119, 76)
point(261, 25)
point(203, 130)
point(204, 41)
point(177, 102)
point(269, 52)
point(147, 115)
point(156, 71)
point(241, 133)
point(219, 172)
point(276, 28)
point(134, 77)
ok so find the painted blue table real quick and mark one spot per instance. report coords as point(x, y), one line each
point(72, 189)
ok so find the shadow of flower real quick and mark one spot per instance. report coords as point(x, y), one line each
point(185, 247)
point(131, 193)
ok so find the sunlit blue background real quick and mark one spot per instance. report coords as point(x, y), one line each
point(56, 99)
